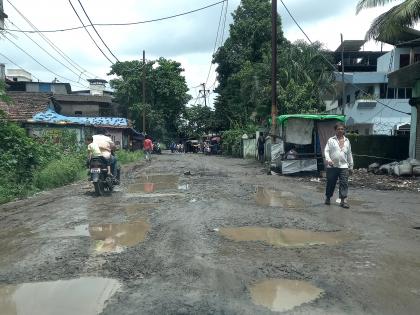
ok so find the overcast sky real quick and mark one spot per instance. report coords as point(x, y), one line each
point(189, 39)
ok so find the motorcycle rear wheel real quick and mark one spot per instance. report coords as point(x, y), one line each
point(99, 189)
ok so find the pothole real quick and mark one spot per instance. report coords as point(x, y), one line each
point(281, 295)
point(284, 237)
point(156, 183)
point(64, 297)
point(273, 198)
point(115, 238)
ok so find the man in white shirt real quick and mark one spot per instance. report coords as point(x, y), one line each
point(106, 145)
point(339, 164)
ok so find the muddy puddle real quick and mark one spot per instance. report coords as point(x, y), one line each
point(273, 198)
point(115, 237)
point(65, 297)
point(156, 183)
point(284, 237)
point(281, 295)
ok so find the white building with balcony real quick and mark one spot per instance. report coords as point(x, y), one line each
point(371, 106)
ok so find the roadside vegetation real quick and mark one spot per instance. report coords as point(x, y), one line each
point(30, 165)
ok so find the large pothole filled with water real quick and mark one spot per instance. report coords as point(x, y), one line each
point(284, 237)
point(115, 237)
point(65, 297)
point(273, 198)
point(281, 295)
point(156, 183)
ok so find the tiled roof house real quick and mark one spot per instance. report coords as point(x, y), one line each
point(24, 105)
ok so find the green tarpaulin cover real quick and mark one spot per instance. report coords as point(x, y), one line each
point(283, 118)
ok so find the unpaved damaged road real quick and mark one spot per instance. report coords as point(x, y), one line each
point(192, 234)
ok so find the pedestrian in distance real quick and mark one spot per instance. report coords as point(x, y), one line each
point(339, 161)
point(260, 147)
point(148, 148)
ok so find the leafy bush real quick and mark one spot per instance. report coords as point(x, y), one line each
point(125, 157)
point(59, 172)
point(232, 139)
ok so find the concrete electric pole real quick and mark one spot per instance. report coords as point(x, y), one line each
point(2, 15)
point(343, 96)
point(273, 69)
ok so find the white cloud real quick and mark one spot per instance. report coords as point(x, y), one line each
point(188, 39)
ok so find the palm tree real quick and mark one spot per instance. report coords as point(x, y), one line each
point(392, 22)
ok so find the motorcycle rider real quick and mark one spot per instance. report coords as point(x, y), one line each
point(94, 151)
point(106, 145)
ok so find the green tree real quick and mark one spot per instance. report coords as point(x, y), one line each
point(196, 121)
point(166, 93)
point(241, 62)
point(244, 68)
point(391, 23)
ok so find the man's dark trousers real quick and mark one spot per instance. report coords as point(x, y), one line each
point(334, 173)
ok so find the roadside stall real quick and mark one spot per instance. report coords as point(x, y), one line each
point(301, 143)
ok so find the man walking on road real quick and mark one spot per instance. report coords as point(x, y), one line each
point(339, 165)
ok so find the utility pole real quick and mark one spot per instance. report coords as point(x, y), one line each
point(343, 96)
point(273, 69)
point(2, 15)
point(204, 93)
point(144, 92)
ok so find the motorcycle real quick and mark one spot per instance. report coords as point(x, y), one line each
point(98, 175)
point(157, 149)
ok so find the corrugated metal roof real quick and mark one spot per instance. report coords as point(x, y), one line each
point(50, 116)
point(351, 45)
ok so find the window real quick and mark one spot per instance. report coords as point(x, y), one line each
point(404, 60)
point(401, 93)
point(408, 93)
point(348, 99)
point(366, 105)
point(382, 93)
point(391, 93)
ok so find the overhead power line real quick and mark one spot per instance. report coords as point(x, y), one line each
point(96, 44)
point(77, 74)
point(94, 28)
point(124, 24)
point(334, 67)
point(215, 42)
point(57, 75)
point(70, 61)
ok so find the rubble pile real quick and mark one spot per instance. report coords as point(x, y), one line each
point(362, 178)
point(407, 167)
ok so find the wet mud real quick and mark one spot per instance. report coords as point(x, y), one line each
point(193, 234)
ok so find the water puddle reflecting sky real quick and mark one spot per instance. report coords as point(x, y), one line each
point(273, 198)
point(281, 295)
point(284, 237)
point(115, 237)
point(156, 183)
point(85, 296)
